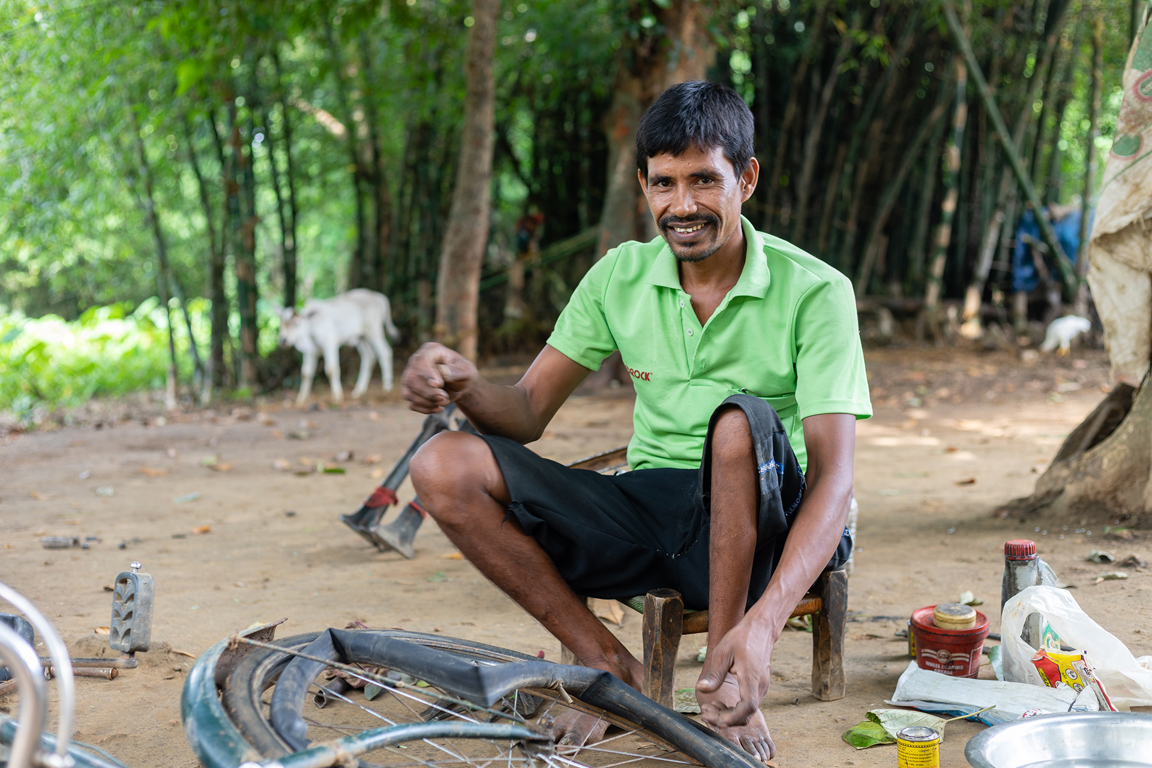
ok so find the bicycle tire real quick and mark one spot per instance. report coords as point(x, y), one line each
point(607, 697)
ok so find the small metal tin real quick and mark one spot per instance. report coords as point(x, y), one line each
point(917, 747)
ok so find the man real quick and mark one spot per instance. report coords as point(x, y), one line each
point(746, 358)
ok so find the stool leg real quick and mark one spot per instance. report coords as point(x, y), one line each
point(828, 637)
point(663, 624)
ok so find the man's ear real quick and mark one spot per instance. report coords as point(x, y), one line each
point(643, 181)
point(748, 178)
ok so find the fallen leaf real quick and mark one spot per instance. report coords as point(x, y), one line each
point(299, 434)
point(223, 466)
point(208, 461)
point(438, 577)
point(331, 469)
point(186, 498)
point(9, 546)
point(609, 610)
point(967, 481)
point(950, 449)
point(102, 630)
point(105, 490)
point(453, 556)
point(372, 458)
point(40, 496)
point(684, 701)
point(202, 529)
point(377, 473)
point(307, 462)
point(277, 434)
point(283, 465)
point(1111, 576)
point(151, 472)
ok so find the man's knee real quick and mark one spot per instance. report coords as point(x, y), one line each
point(732, 435)
point(451, 466)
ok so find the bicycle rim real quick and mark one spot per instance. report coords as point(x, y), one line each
point(640, 733)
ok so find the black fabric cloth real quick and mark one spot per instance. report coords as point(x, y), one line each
point(618, 536)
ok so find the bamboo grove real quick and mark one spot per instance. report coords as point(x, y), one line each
point(257, 154)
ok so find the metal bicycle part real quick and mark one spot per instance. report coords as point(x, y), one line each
point(472, 689)
point(24, 665)
point(65, 685)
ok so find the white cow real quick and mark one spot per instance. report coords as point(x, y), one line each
point(359, 317)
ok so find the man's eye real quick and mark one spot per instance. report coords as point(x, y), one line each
point(705, 179)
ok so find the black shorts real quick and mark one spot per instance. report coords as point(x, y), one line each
point(619, 536)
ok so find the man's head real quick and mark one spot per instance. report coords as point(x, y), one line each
point(694, 155)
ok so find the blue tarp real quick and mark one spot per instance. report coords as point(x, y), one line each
point(1024, 277)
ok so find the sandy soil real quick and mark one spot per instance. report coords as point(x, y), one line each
point(955, 435)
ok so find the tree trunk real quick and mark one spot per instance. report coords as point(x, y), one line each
point(645, 68)
point(948, 206)
point(1081, 307)
point(210, 366)
point(216, 291)
point(458, 288)
point(242, 217)
point(147, 203)
point(288, 257)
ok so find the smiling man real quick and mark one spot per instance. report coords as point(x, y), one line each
point(749, 377)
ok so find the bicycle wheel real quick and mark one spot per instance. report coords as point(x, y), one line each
point(468, 691)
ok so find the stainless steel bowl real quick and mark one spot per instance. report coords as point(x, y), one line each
point(1080, 740)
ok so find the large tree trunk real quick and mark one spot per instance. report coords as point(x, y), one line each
point(645, 68)
point(1102, 472)
point(462, 256)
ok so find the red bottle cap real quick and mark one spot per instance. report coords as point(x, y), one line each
point(1020, 549)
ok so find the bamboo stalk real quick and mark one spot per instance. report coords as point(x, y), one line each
point(1081, 303)
point(1022, 177)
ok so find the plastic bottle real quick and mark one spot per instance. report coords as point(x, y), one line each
point(1022, 569)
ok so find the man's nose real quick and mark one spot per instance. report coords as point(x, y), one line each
point(683, 202)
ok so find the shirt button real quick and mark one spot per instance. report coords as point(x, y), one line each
point(681, 303)
point(689, 331)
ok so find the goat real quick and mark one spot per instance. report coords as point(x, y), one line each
point(359, 317)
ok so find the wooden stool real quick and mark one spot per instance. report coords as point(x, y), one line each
point(665, 622)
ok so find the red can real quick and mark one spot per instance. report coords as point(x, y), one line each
point(953, 652)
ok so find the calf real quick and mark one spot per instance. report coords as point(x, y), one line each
point(359, 317)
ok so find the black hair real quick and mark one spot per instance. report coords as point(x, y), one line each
point(696, 114)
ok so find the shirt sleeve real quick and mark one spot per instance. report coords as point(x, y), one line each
point(581, 332)
point(830, 374)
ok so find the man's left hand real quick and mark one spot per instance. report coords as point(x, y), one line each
point(746, 654)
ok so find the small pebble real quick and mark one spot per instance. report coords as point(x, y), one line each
point(122, 545)
point(289, 513)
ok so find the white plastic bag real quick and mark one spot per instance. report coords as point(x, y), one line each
point(1127, 680)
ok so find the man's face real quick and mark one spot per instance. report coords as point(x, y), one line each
point(695, 199)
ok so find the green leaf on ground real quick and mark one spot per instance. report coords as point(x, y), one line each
point(867, 734)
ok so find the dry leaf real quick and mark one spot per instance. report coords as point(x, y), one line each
point(222, 466)
point(9, 546)
point(372, 458)
point(153, 472)
point(102, 630)
point(967, 481)
point(377, 473)
point(202, 529)
point(40, 496)
point(609, 610)
point(307, 462)
point(277, 434)
point(283, 465)
point(453, 556)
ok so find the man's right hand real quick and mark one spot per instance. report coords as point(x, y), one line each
point(436, 376)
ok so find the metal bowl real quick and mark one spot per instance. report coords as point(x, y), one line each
point(1080, 740)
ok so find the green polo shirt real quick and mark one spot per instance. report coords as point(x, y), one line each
point(786, 333)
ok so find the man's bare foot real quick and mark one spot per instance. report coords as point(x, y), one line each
point(752, 736)
point(573, 728)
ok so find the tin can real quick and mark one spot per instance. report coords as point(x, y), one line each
point(917, 747)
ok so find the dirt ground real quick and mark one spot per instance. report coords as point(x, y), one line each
point(955, 434)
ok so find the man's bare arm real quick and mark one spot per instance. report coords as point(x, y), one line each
point(436, 375)
point(815, 533)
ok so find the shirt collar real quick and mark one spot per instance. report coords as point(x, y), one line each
point(754, 279)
